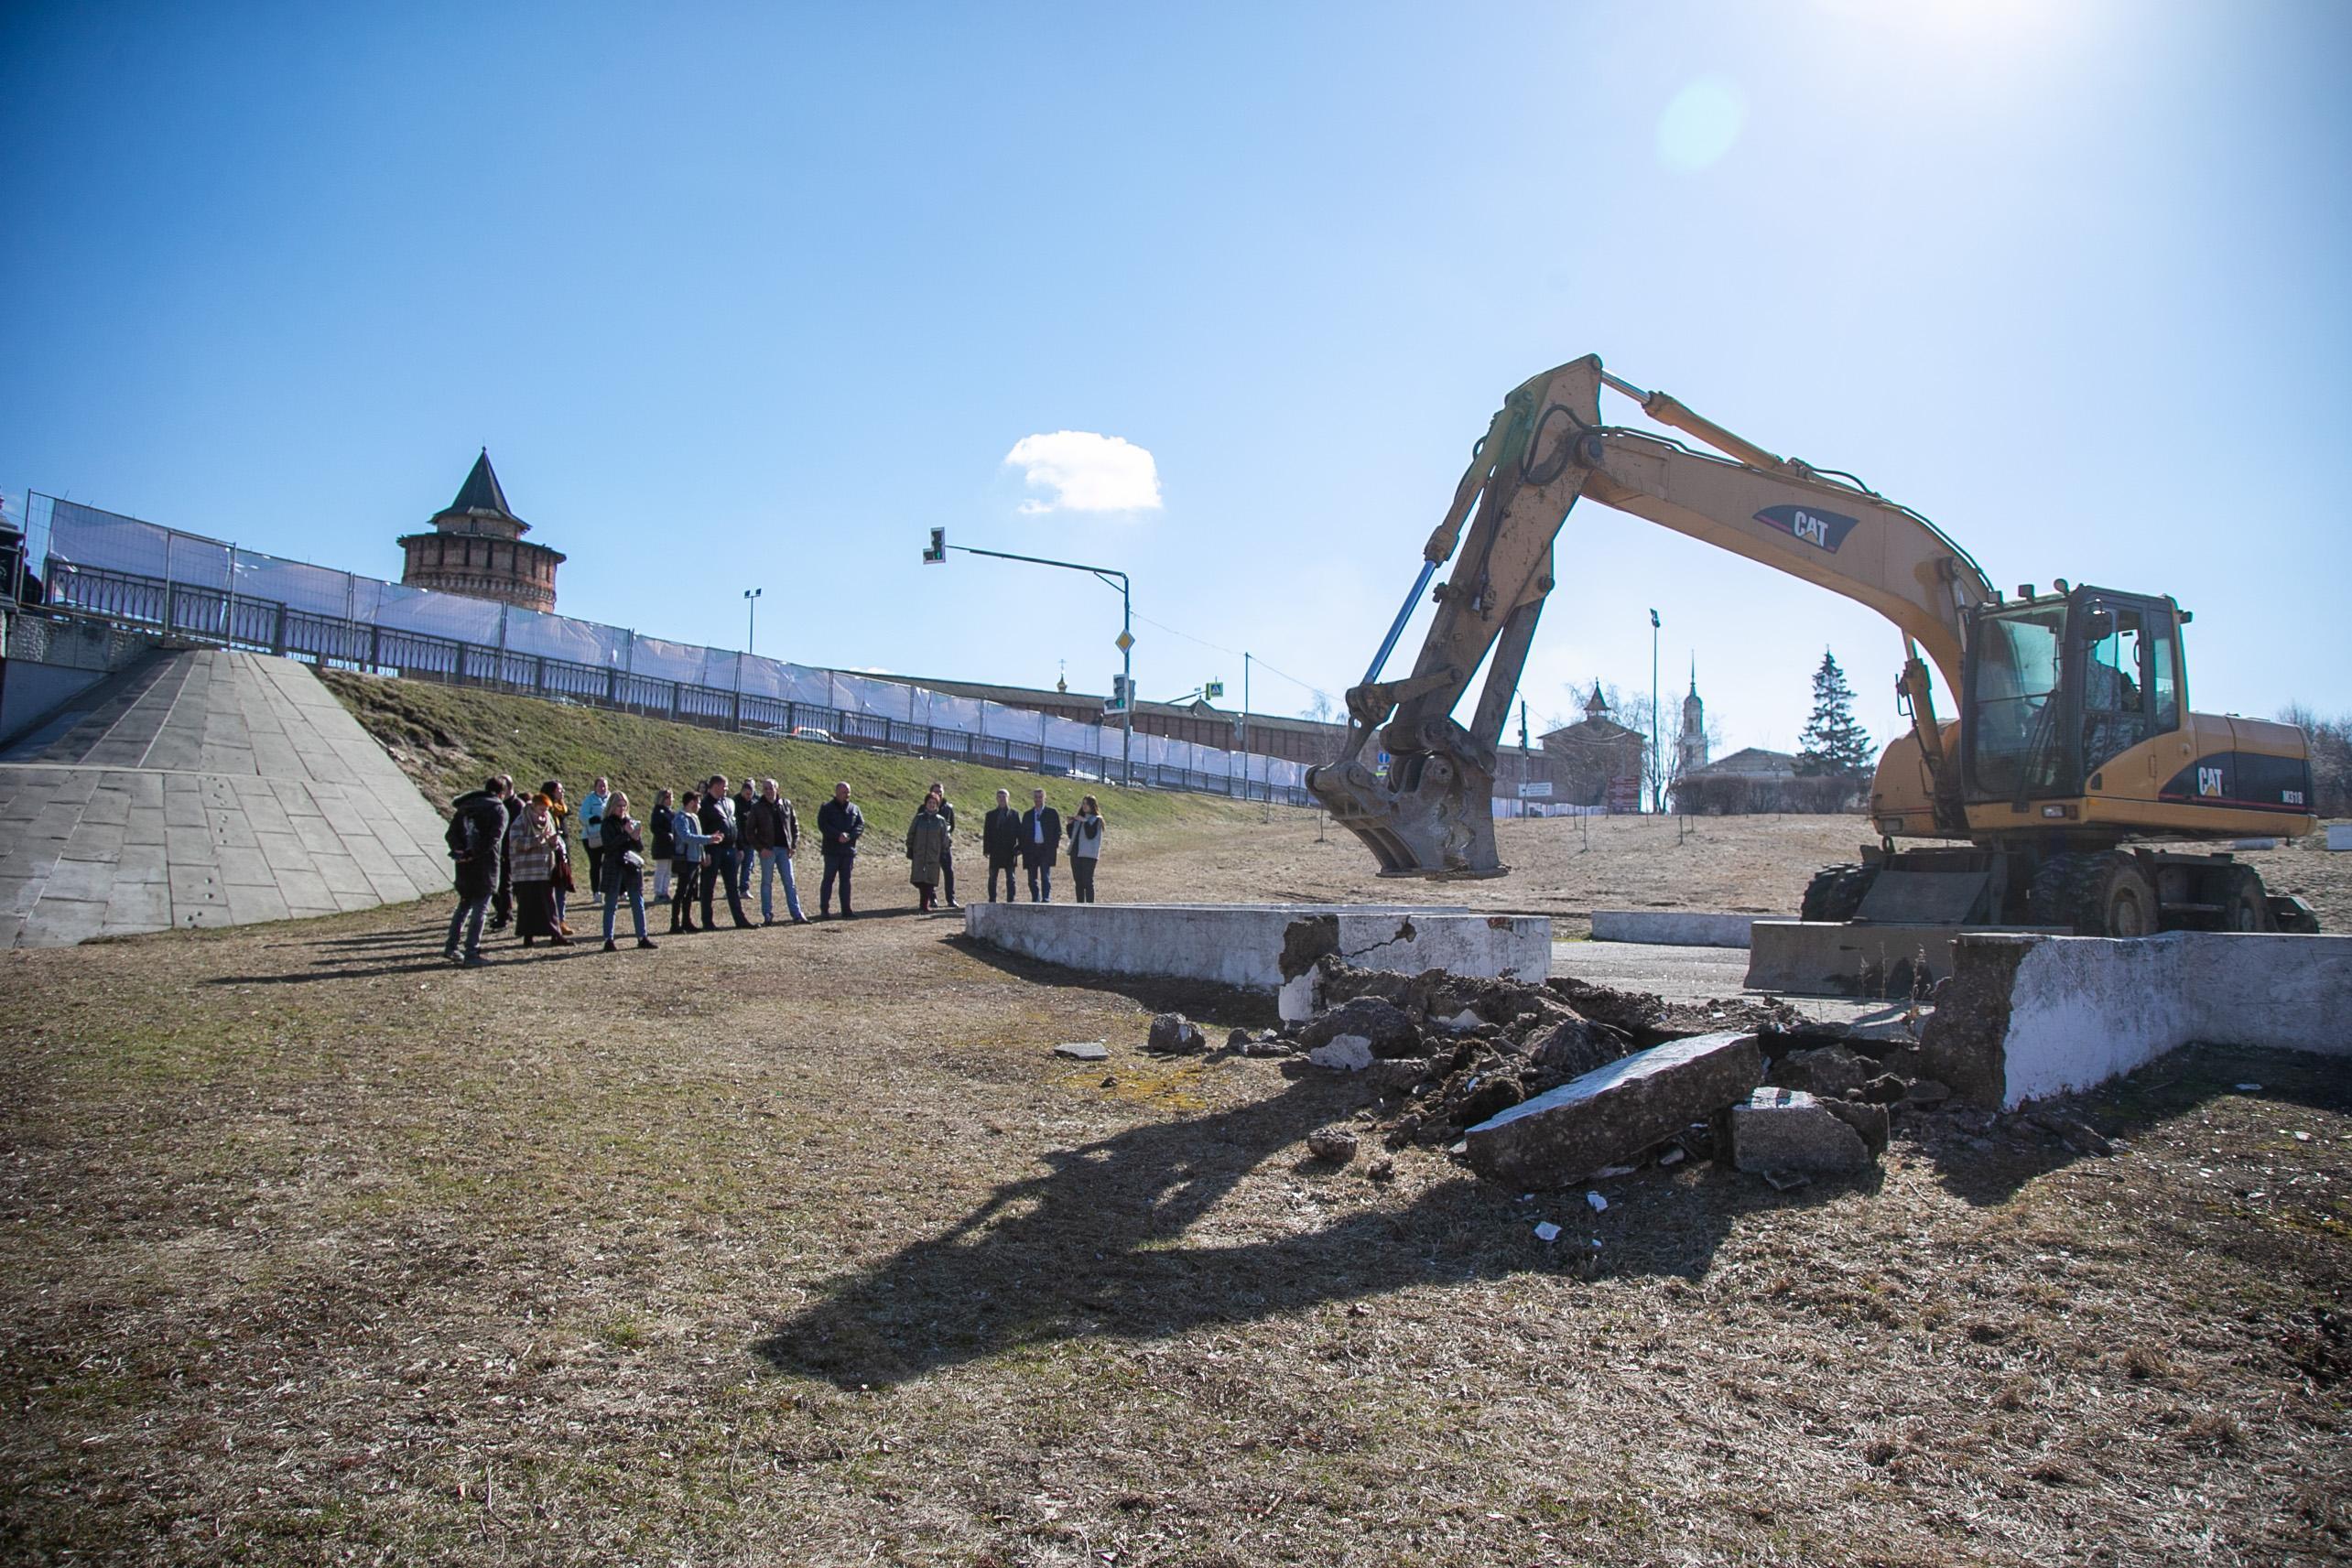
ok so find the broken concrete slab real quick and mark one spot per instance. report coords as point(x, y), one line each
point(1612, 1114)
point(1174, 1035)
point(1083, 1051)
point(1383, 1023)
point(2028, 1017)
point(1347, 1054)
point(1790, 1132)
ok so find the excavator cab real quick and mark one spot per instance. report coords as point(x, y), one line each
point(2060, 684)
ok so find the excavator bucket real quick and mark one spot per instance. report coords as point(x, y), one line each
point(1430, 817)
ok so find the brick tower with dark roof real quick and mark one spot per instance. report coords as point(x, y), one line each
point(477, 548)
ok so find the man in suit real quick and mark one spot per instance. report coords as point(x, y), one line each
point(1000, 841)
point(1041, 845)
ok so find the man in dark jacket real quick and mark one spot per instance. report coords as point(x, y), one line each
point(477, 840)
point(1000, 841)
point(719, 862)
point(839, 825)
point(1041, 846)
point(502, 906)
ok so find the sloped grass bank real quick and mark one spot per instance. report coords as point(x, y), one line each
point(449, 738)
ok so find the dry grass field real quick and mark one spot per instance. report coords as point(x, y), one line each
point(799, 1245)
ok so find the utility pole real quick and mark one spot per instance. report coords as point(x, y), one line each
point(751, 616)
point(1245, 724)
point(1657, 762)
point(937, 555)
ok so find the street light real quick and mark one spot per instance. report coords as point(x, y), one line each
point(936, 553)
point(752, 615)
point(1657, 762)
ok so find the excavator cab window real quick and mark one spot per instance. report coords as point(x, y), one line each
point(2015, 743)
point(2131, 686)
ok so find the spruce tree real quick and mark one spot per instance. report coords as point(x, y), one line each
point(1832, 744)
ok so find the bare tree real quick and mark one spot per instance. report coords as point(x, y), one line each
point(1319, 708)
point(2330, 740)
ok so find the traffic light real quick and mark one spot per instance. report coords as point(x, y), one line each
point(938, 553)
point(1118, 696)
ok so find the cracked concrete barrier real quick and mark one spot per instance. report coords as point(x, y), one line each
point(1266, 946)
point(2027, 1017)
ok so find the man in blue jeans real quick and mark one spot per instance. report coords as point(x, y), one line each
point(718, 861)
point(772, 833)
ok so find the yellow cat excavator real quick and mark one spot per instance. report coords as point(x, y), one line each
point(2073, 744)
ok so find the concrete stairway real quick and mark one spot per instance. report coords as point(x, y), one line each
point(204, 788)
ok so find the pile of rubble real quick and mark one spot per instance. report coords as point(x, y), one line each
point(1544, 1085)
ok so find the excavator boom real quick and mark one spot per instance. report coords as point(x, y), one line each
point(1545, 448)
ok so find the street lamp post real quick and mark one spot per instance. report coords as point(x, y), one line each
point(1657, 761)
point(752, 615)
point(937, 555)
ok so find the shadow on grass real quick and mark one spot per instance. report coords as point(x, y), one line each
point(1985, 1159)
point(1226, 1007)
point(1097, 1246)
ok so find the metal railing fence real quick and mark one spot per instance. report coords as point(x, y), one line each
point(136, 574)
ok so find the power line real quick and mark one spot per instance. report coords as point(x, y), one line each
point(1259, 660)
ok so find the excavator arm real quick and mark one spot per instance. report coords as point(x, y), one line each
point(1546, 447)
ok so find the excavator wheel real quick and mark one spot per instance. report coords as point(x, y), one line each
point(2247, 905)
point(2097, 895)
point(1836, 893)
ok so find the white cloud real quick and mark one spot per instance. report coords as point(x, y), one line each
point(1082, 471)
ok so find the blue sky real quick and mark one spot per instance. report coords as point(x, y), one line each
point(758, 295)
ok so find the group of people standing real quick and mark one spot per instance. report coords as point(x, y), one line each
point(513, 862)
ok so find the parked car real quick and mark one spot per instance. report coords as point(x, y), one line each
point(810, 733)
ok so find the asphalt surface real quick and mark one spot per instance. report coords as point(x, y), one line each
point(1694, 974)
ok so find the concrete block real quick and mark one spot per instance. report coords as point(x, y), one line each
point(2339, 836)
point(1790, 1132)
point(1847, 959)
point(1266, 948)
point(1672, 927)
point(1615, 1112)
point(2028, 1016)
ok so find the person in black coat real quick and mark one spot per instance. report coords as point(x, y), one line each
point(501, 906)
point(718, 860)
point(839, 825)
point(1000, 841)
point(477, 840)
point(1041, 846)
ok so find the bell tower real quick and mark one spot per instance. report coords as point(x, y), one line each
point(1690, 747)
